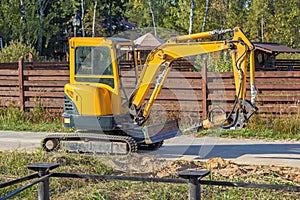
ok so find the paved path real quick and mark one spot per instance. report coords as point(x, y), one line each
point(246, 151)
point(240, 151)
point(11, 140)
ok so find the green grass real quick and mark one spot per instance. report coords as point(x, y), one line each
point(37, 120)
point(16, 162)
point(63, 188)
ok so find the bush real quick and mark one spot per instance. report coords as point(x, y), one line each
point(216, 62)
point(13, 51)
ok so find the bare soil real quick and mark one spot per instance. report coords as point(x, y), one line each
point(141, 165)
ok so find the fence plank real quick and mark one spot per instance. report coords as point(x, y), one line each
point(5, 66)
point(47, 72)
point(45, 83)
point(43, 94)
point(9, 82)
point(9, 72)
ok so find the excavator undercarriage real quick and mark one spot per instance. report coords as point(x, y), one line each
point(117, 142)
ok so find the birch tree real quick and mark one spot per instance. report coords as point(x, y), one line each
point(191, 16)
point(153, 18)
point(205, 15)
point(82, 18)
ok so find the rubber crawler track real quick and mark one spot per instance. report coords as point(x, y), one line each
point(131, 143)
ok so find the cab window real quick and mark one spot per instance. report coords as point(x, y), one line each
point(94, 61)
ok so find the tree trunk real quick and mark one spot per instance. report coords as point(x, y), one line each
point(42, 8)
point(82, 18)
point(191, 17)
point(40, 36)
point(94, 19)
point(153, 18)
point(205, 15)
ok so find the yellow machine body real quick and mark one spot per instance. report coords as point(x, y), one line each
point(91, 100)
point(94, 89)
point(93, 97)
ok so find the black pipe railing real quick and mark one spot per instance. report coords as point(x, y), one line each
point(191, 177)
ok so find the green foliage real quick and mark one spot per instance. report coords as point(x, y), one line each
point(261, 20)
point(37, 23)
point(10, 20)
point(216, 62)
point(219, 65)
point(107, 17)
point(294, 56)
point(138, 12)
point(269, 21)
point(178, 12)
point(16, 49)
point(98, 30)
point(198, 64)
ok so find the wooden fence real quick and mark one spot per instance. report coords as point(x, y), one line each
point(32, 84)
point(28, 85)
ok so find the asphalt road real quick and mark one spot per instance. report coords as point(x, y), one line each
point(240, 151)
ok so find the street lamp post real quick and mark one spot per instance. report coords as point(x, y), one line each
point(75, 23)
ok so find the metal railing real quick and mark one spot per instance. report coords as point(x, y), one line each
point(190, 177)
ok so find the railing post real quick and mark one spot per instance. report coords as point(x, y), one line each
point(193, 177)
point(21, 83)
point(43, 187)
point(204, 89)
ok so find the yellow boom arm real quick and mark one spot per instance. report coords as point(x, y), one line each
point(159, 62)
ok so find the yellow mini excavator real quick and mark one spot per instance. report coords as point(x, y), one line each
point(93, 98)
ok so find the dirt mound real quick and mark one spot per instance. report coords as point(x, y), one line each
point(151, 166)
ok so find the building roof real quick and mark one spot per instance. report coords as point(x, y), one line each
point(147, 42)
point(274, 48)
point(128, 25)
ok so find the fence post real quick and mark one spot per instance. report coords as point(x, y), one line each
point(204, 89)
point(193, 177)
point(21, 83)
point(30, 59)
point(43, 187)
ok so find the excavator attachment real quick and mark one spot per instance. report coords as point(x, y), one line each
point(159, 132)
point(236, 121)
point(241, 117)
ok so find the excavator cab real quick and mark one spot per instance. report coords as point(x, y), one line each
point(94, 95)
